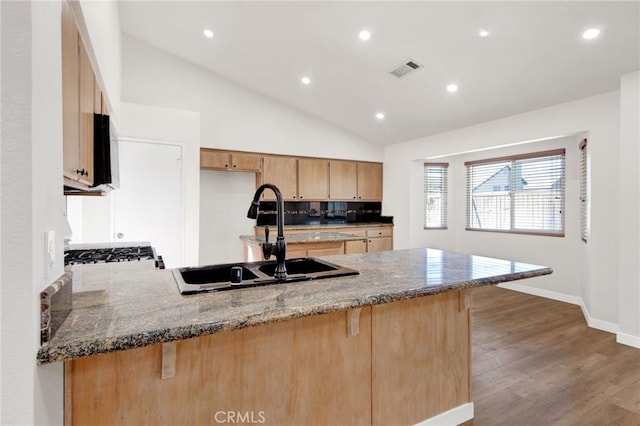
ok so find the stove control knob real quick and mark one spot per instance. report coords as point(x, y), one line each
point(120, 235)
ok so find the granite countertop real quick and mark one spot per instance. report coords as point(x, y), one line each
point(307, 237)
point(120, 306)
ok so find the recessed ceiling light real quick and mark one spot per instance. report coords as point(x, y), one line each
point(483, 33)
point(364, 35)
point(208, 33)
point(591, 33)
point(452, 88)
point(305, 80)
point(380, 116)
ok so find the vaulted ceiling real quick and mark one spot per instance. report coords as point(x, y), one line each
point(533, 56)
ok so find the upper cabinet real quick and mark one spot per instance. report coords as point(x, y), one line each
point(313, 179)
point(302, 178)
point(370, 181)
point(234, 161)
point(343, 180)
point(73, 169)
point(281, 172)
point(81, 98)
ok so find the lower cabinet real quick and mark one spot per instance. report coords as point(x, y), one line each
point(393, 363)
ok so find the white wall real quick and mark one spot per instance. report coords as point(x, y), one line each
point(224, 201)
point(629, 209)
point(232, 117)
point(164, 125)
point(32, 203)
point(592, 268)
point(100, 27)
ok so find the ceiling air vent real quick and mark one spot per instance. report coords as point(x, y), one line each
point(406, 67)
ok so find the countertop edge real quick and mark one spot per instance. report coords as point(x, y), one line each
point(80, 349)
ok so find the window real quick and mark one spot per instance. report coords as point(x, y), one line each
point(519, 194)
point(435, 195)
point(584, 200)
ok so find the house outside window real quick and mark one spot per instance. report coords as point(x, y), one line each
point(435, 195)
point(518, 194)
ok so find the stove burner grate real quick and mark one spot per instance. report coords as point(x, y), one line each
point(102, 255)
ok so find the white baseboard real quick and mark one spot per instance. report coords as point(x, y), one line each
point(574, 300)
point(455, 416)
point(628, 339)
point(622, 338)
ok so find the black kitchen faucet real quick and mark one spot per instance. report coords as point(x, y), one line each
point(279, 249)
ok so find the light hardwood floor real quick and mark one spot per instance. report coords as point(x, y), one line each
point(536, 362)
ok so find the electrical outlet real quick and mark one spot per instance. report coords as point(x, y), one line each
point(50, 250)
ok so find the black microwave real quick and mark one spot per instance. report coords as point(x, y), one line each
point(105, 154)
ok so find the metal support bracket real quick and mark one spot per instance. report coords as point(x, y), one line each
point(353, 322)
point(168, 360)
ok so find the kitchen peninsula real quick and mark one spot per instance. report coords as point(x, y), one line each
point(391, 345)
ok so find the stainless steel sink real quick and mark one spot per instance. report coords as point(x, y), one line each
point(200, 279)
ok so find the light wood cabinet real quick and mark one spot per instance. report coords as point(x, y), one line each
point(343, 180)
point(302, 178)
point(81, 98)
point(87, 104)
point(355, 246)
point(72, 168)
point(283, 173)
point(392, 363)
point(313, 179)
point(234, 161)
point(369, 182)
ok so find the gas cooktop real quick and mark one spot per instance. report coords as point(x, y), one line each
point(110, 254)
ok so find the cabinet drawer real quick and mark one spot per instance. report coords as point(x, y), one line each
point(359, 233)
point(379, 232)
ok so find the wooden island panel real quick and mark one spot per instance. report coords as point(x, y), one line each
point(421, 352)
point(303, 371)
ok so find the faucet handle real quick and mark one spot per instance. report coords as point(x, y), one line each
point(266, 234)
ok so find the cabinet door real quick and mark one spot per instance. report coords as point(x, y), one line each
point(370, 181)
point(246, 162)
point(70, 88)
point(87, 91)
point(379, 244)
point(343, 180)
point(356, 246)
point(283, 173)
point(313, 179)
point(214, 160)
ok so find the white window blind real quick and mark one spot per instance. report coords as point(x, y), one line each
point(519, 194)
point(435, 195)
point(584, 201)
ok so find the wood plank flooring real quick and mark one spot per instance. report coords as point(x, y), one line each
point(536, 362)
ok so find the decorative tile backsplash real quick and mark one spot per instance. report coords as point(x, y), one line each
point(320, 212)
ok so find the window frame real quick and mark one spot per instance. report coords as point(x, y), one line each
point(444, 194)
point(512, 160)
point(583, 170)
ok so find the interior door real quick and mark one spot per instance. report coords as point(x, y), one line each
point(148, 204)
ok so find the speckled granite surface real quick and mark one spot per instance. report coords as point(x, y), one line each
point(119, 306)
point(310, 237)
